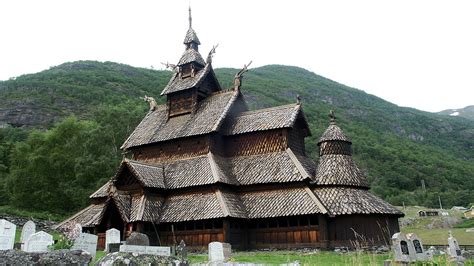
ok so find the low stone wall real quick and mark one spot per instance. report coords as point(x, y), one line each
point(125, 258)
point(41, 225)
point(56, 257)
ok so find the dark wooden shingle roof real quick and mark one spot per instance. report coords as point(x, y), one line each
point(146, 208)
point(265, 119)
point(281, 202)
point(208, 117)
point(339, 169)
point(344, 200)
point(333, 132)
point(177, 83)
point(191, 55)
point(102, 192)
point(191, 36)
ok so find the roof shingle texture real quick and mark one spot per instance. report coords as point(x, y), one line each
point(179, 84)
point(344, 200)
point(264, 119)
point(191, 55)
point(207, 118)
point(333, 132)
point(191, 36)
point(339, 169)
point(281, 202)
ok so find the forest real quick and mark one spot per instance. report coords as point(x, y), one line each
point(61, 130)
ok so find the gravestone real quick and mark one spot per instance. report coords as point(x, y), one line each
point(219, 251)
point(7, 234)
point(182, 252)
point(453, 250)
point(86, 242)
point(138, 239)
point(149, 250)
point(400, 248)
point(112, 236)
point(419, 252)
point(39, 242)
point(28, 229)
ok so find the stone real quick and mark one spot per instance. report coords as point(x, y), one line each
point(219, 251)
point(54, 257)
point(138, 239)
point(7, 234)
point(86, 242)
point(149, 250)
point(112, 236)
point(121, 258)
point(28, 229)
point(400, 248)
point(453, 250)
point(182, 252)
point(114, 247)
point(39, 242)
point(470, 230)
point(419, 253)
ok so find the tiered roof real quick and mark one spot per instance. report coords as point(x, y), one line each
point(342, 187)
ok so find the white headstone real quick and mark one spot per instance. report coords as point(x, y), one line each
point(453, 250)
point(39, 242)
point(418, 250)
point(400, 247)
point(111, 236)
point(28, 229)
point(7, 234)
point(151, 250)
point(219, 251)
point(86, 242)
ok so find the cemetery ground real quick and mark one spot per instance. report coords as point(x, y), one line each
point(432, 230)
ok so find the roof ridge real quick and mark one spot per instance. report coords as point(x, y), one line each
point(220, 198)
point(315, 199)
point(298, 164)
point(267, 109)
point(226, 110)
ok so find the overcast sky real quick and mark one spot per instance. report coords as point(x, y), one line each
point(413, 53)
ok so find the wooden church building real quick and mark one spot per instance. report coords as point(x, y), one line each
point(204, 168)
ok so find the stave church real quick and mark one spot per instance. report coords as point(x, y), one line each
point(203, 168)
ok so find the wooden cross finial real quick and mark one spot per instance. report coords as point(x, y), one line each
point(298, 99)
point(190, 17)
point(332, 117)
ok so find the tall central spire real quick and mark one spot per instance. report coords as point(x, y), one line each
point(190, 18)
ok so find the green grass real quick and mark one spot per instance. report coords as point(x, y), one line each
point(468, 223)
point(436, 236)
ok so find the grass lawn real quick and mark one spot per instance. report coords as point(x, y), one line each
point(435, 236)
point(318, 258)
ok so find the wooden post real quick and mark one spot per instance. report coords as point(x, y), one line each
point(225, 230)
point(323, 231)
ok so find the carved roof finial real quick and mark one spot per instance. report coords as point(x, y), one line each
point(238, 76)
point(332, 117)
point(298, 99)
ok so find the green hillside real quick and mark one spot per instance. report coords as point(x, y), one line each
point(466, 112)
point(55, 169)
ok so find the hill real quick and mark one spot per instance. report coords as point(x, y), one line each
point(466, 112)
point(396, 147)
